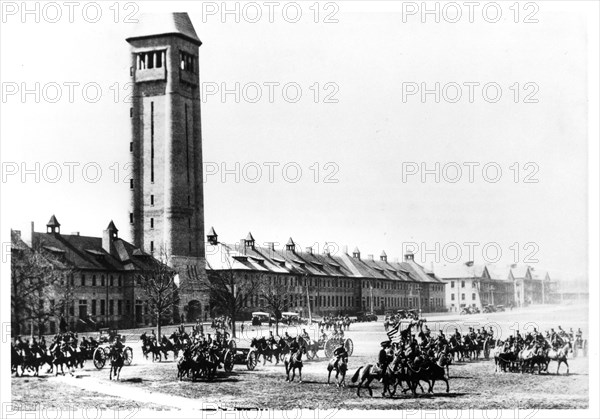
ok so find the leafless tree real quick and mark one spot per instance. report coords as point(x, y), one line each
point(275, 294)
point(229, 291)
point(159, 285)
point(36, 276)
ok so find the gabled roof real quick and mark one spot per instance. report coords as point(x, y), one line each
point(459, 270)
point(111, 226)
point(160, 24)
point(87, 253)
point(500, 273)
point(212, 232)
point(249, 237)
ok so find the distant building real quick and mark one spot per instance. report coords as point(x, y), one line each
point(471, 285)
point(101, 279)
point(331, 284)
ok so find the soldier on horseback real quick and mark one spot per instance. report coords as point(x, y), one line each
point(383, 360)
point(338, 354)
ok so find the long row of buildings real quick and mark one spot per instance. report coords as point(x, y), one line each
point(104, 293)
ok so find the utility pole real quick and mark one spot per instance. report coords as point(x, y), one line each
point(308, 299)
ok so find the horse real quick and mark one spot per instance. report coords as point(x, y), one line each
point(263, 348)
point(16, 360)
point(148, 346)
point(367, 373)
point(559, 355)
point(116, 363)
point(341, 368)
point(293, 361)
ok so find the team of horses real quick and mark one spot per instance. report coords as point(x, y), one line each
point(529, 357)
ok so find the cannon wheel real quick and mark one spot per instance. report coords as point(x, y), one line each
point(128, 353)
point(329, 347)
point(228, 361)
point(252, 360)
point(99, 358)
point(232, 345)
point(349, 345)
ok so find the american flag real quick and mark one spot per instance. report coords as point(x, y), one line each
point(394, 333)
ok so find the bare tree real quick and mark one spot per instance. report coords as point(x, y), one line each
point(35, 279)
point(276, 297)
point(159, 285)
point(229, 292)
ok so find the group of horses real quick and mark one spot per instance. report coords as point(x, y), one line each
point(335, 322)
point(530, 357)
point(31, 358)
point(150, 346)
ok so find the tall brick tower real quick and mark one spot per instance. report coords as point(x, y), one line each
point(167, 215)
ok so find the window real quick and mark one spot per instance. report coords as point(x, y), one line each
point(473, 284)
point(82, 309)
point(151, 199)
point(93, 307)
point(130, 183)
point(93, 280)
point(187, 62)
point(102, 280)
point(120, 281)
point(462, 284)
point(151, 59)
point(131, 218)
point(102, 307)
point(462, 297)
point(111, 307)
point(452, 297)
point(82, 280)
point(151, 222)
point(112, 282)
point(473, 296)
point(119, 307)
point(152, 246)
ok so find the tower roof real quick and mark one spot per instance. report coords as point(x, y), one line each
point(157, 24)
point(383, 253)
point(53, 222)
point(249, 237)
point(356, 250)
point(212, 232)
point(290, 242)
point(111, 226)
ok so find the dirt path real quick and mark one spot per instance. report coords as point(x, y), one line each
point(131, 393)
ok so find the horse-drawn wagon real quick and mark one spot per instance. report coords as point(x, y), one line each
point(102, 352)
point(328, 345)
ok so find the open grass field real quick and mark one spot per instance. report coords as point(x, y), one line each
point(472, 384)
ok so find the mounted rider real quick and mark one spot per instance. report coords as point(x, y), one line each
point(305, 336)
point(117, 346)
point(383, 359)
point(339, 353)
point(294, 346)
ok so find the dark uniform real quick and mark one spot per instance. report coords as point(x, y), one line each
point(339, 353)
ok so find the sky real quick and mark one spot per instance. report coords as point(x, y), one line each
point(343, 147)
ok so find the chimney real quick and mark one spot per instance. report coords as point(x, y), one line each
point(75, 233)
point(370, 257)
point(383, 256)
point(345, 249)
point(309, 250)
point(108, 238)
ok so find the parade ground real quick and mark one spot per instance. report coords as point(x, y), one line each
point(473, 384)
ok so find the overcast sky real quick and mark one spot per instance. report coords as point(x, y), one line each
point(362, 144)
